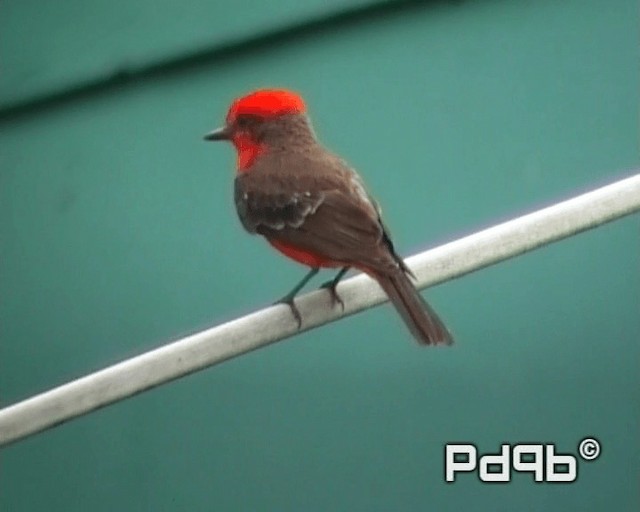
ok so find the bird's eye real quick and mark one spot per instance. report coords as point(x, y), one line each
point(245, 121)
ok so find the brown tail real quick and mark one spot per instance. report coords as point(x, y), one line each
point(422, 321)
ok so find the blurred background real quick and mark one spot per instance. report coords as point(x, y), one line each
point(118, 234)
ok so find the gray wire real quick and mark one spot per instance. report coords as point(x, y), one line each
point(269, 325)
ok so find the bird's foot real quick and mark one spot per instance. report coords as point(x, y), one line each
point(330, 286)
point(287, 300)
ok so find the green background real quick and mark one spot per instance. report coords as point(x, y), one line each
point(118, 234)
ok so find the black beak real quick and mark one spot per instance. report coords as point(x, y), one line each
point(219, 134)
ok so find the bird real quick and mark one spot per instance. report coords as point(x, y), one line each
point(311, 206)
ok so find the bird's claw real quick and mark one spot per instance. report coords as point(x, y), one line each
point(288, 301)
point(330, 286)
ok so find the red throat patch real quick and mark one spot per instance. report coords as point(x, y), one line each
point(248, 150)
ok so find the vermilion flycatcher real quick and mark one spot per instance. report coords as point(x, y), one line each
point(312, 207)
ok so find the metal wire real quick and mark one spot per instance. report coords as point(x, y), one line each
point(275, 323)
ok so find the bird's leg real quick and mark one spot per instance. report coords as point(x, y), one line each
point(331, 286)
point(288, 298)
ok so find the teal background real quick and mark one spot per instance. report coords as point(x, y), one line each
point(118, 234)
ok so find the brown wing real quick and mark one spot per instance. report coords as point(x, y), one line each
point(317, 204)
point(260, 209)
